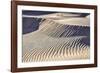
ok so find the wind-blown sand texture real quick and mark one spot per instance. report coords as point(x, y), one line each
point(57, 39)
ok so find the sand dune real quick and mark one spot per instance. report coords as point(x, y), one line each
point(54, 41)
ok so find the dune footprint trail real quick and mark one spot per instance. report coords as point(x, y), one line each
point(55, 42)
